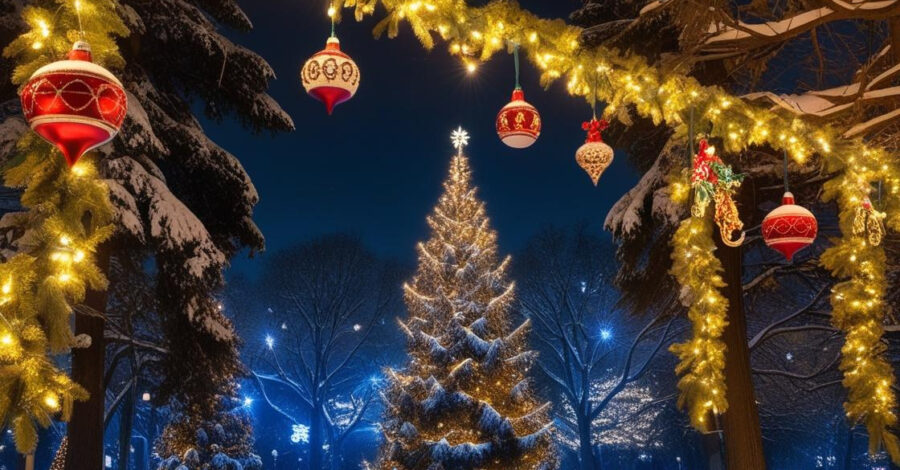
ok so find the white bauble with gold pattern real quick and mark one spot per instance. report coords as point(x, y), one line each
point(330, 75)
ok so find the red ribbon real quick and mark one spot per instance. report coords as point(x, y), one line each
point(594, 129)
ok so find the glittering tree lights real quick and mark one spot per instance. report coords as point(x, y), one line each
point(463, 401)
point(68, 214)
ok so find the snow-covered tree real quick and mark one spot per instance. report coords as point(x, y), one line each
point(465, 398)
point(221, 442)
point(592, 353)
point(319, 353)
point(183, 233)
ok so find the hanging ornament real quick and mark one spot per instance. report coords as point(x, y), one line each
point(789, 228)
point(74, 104)
point(869, 223)
point(713, 181)
point(330, 75)
point(518, 123)
point(594, 156)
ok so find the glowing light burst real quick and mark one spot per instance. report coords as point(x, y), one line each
point(300, 433)
point(460, 139)
point(606, 334)
point(270, 341)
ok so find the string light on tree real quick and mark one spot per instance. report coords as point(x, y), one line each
point(76, 104)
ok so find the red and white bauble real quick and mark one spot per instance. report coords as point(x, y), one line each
point(330, 76)
point(518, 123)
point(789, 228)
point(74, 104)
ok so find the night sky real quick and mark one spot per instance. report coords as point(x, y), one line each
point(375, 167)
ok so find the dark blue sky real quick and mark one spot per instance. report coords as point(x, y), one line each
point(375, 166)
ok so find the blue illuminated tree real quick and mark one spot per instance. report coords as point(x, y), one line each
point(319, 362)
point(590, 355)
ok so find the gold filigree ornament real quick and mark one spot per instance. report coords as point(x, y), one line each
point(869, 223)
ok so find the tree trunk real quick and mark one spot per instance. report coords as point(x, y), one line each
point(85, 431)
point(585, 446)
point(743, 437)
point(315, 439)
point(126, 422)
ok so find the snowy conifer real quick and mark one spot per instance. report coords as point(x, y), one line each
point(464, 399)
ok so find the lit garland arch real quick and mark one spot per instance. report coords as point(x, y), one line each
point(666, 96)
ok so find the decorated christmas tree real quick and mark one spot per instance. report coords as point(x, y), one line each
point(464, 399)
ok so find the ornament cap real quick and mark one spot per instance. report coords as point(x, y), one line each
point(81, 50)
point(788, 198)
point(333, 44)
point(518, 94)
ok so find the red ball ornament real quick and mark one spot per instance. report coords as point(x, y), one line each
point(519, 123)
point(789, 228)
point(330, 76)
point(74, 104)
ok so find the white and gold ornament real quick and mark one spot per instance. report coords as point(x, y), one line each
point(330, 75)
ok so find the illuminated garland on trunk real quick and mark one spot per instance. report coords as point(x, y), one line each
point(475, 34)
point(68, 215)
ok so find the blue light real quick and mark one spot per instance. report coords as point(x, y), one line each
point(248, 401)
point(270, 341)
point(605, 334)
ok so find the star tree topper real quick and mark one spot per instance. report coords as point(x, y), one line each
point(460, 139)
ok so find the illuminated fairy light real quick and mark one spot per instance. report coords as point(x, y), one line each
point(270, 341)
point(51, 401)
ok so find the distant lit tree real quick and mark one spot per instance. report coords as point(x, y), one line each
point(591, 356)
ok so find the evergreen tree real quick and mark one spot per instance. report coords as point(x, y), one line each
point(464, 400)
point(223, 441)
point(180, 232)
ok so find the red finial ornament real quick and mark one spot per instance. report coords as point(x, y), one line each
point(330, 75)
point(74, 104)
point(594, 156)
point(789, 228)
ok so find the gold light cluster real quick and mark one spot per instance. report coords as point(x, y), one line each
point(474, 34)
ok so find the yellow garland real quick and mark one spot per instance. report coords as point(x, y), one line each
point(476, 33)
point(702, 358)
point(68, 215)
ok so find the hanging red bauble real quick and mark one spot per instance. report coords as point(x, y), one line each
point(594, 156)
point(789, 228)
point(330, 76)
point(519, 123)
point(74, 104)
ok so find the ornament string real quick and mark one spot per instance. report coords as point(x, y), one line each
point(787, 188)
point(516, 60)
point(691, 152)
point(78, 15)
point(332, 12)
